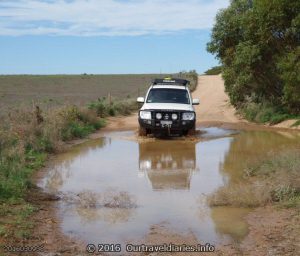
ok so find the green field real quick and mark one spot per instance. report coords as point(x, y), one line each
point(56, 90)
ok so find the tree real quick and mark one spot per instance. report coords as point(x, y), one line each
point(257, 42)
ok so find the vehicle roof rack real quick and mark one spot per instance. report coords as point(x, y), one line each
point(170, 81)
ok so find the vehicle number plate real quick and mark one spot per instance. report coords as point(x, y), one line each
point(166, 122)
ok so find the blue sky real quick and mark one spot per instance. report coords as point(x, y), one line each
point(106, 36)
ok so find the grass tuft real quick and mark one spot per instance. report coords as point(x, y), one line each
point(241, 195)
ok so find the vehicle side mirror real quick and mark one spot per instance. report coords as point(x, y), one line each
point(140, 99)
point(196, 101)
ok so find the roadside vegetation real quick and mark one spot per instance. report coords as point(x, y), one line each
point(266, 113)
point(258, 45)
point(192, 76)
point(274, 180)
point(26, 138)
point(214, 71)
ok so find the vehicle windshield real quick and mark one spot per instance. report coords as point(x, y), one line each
point(165, 95)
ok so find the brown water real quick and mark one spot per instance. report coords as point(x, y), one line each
point(114, 189)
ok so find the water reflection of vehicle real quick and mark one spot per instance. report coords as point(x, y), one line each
point(168, 164)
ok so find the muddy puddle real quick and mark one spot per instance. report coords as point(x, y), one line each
point(114, 189)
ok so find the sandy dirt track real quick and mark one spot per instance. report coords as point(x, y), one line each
point(214, 102)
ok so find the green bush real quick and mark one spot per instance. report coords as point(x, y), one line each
point(264, 113)
point(111, 111)
point(279, 117)
point(76, 130)
point(97, 125)
point(99, 106)
point(289, 66)
point(104, 108)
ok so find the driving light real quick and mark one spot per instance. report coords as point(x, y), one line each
point(188, 116)
point(145, 115)
point(158, 115)
point(174, 116)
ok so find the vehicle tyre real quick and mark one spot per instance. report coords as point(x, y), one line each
point(192, 131)
point(142, 131)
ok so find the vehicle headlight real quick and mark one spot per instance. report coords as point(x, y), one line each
point(158, 115)
point(174, 116)
point(145, 115)
point(188, 116)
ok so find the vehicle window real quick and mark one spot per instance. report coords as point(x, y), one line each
point(168, 96)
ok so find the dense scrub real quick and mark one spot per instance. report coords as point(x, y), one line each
point(258, 45)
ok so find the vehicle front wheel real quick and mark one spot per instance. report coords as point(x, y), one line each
point(192, 131)
point(142, 131)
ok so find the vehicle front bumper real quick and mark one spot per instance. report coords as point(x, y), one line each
point(178, 126)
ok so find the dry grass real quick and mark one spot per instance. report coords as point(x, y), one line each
point(244, 195)
point(273, 180)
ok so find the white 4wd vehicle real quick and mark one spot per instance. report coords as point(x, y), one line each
point(168, 108)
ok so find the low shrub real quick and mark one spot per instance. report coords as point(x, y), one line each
point(214, 71)
point(273, 180)
point(264, 113)
point(104, 108)
point(76, 130)
point(241, 195)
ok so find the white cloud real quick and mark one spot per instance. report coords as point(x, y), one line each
point(106, 17)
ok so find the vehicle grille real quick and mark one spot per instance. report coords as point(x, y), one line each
point(167, 115)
